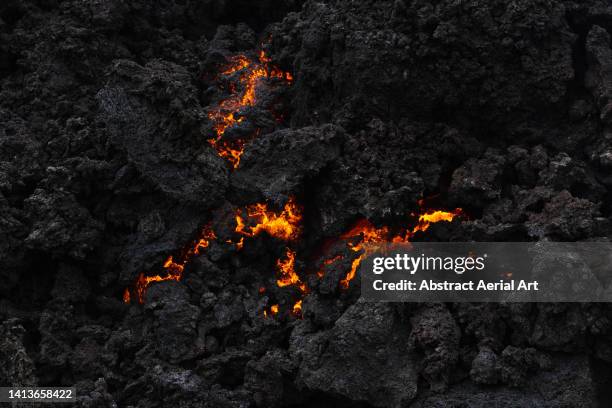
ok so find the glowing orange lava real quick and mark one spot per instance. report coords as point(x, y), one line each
point(284, 225)
point(368, 233)
point(250, 222)
point(431, 217)
point(273, 311)
point(173, 269)
point(243, 76)
point(286, 269)
point(297, 308)
point(238, 62)
point(227, 113)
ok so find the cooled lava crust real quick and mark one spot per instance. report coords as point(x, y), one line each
point(186, 188)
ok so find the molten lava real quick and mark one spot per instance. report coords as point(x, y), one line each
point(285, 225)
point(273, 311)
point(173, 269)
point(425, 220)
point(227, 113)
point(250, 222)
point(297, 308)
point(368, 233)
point(287, 275)
point(244, 75)
point(259, 218)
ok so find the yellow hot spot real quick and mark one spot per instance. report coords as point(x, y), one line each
point(287, 274)
point(297, 307)
point(284, 225)
point(371, 234)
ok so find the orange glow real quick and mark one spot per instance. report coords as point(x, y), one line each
point(248, 97)
point(368, 233)
point(227, 113)
point(273, 311)
point(284, 225)
point(425, 220)
point(240, 243)
point(297, 308)
point(250, 222)
point(320, 272)
point(263, 58)
point(173, 268)
point(286, 269)
point(238, 63)
point(204, 241)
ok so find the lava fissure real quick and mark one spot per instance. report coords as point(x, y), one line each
point(245, 73)
point(251, 221)
point(173, 268)
point(367, 233)
point(286, 226)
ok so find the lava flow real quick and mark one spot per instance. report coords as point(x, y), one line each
point(173, 269)
point(272, 311)
point(250, 222)
point(369, 234)
point(259, 218)
point(286, 268)
point(285, 225)
point(228, 113)
point(288, 277)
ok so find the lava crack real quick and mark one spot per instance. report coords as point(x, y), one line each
point(243, 93)
point(285, 225)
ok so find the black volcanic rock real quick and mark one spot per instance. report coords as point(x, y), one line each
point(567, 383)
point(156, 148)
point(436, 334)
point(478, 181)
point(398, 58)
point(17, 367)
point(565, 217)
point(266, 379)
point(279, 164)
point(62, 224)
point(484, 367)
point(599, 74)
point(501, 107)
point(369, 346)
point(174, 323)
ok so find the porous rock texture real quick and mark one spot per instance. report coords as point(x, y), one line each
point(500, 107)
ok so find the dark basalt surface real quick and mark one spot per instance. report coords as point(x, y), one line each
point(501, 107)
